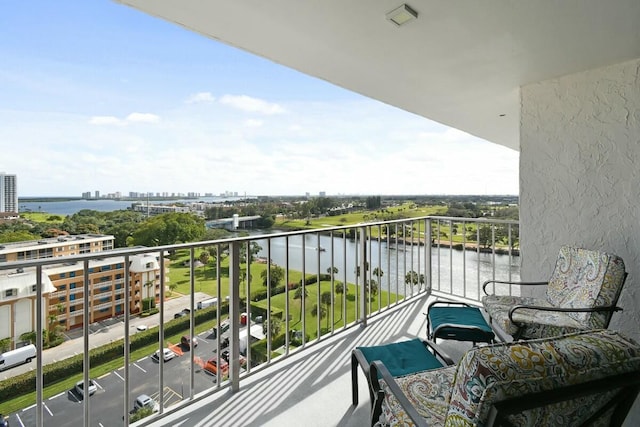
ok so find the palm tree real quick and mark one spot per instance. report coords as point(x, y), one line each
point(298, 295)
point(327, 298)
point(332, 271)
point(319, 310)
point(340, 289)
point(172, 287)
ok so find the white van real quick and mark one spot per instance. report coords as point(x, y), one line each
point(207, 303)
point(17, 357)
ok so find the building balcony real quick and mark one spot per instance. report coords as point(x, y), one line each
point(331, 289)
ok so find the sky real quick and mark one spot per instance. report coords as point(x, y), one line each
point(95, 95)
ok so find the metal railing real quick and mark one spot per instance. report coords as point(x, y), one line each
point(286, 292)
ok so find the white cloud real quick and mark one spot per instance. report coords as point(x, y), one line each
point(131, 118)
point(105, 120)
point(142, 118)
point(200, 97)
point(253, 123)
point(251, 105)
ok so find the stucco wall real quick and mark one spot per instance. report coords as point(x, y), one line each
point(580, 175)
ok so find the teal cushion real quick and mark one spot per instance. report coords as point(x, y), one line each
point(402, 358)
point(458, 321)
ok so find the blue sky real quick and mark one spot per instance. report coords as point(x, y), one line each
point(97, 96)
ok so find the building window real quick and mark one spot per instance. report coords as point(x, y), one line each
point(72, 286)
point(34, 288)
point(63, 275)
point(62, 287)
point(62, 298)
point(11, 293)
point(72, 297)
point(106, 267)
point(73, 308)
point(72, 274)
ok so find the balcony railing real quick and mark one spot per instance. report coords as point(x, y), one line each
point(286, 292)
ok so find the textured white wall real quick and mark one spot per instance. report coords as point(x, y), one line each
point(580, 176)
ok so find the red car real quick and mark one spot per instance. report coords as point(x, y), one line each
point(212, 366)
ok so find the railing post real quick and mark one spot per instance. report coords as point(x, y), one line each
point(234, 315)
point(362, 265)
point(40, 342)
point(428, 250)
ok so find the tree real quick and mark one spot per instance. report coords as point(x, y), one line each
point(412, 278)
point(318, 311)
point(340, 289)
point(298, 295)
point(332, 271)
point(172, 287)
point(169, 229)
point(326, 299)
point(378, 273)
point(276, 326)
point(204, 259)
point(275, 276)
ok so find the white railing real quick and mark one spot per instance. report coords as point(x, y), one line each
point(295, 289)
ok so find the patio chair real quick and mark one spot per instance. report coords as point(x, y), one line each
point(585, 378)
point(581, 294)
point(400, 358)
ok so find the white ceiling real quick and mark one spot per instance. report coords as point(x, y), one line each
point(460, 63)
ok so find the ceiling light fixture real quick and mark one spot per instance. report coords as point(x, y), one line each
point(401, 15)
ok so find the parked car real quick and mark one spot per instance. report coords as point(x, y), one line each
point(145, 401)
point(212, 366)
point(184, 312)
point(167, 354)
point(225, 356)
point(80, 388)
point(186, 342)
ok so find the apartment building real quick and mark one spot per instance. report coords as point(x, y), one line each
point(8, 193)
point(63, 285)
point(55, 247)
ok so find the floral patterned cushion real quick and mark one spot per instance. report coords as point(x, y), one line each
point(487, 375)
point(428, 392)
point(584, 278)
point(463, 395)
point(537, 323)
point(581, 279)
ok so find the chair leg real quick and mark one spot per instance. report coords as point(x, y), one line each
point(354, 380)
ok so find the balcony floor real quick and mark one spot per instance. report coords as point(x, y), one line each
point(313, 386)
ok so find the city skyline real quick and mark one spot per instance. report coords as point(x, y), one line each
point(98, 95)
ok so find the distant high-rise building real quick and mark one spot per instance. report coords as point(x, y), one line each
point(8, 193)
point(323, 194)
point(97, 193)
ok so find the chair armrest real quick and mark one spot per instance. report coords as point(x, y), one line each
point(507, 282)
point(610, 308)
point(378, 366)
point(439, 352)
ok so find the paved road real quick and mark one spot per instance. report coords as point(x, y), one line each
point(103, 333)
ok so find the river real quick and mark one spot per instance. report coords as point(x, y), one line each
point(451, 269)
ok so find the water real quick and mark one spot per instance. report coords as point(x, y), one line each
point(453, 271)
point(71, 207)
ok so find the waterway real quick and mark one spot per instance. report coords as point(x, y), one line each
point(452, 271)
point(70, 207)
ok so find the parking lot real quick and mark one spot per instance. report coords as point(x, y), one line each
point(107, 404)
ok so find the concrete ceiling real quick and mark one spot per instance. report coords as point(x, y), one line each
point(461, 63)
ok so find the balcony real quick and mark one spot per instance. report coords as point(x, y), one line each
point(363, 284)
